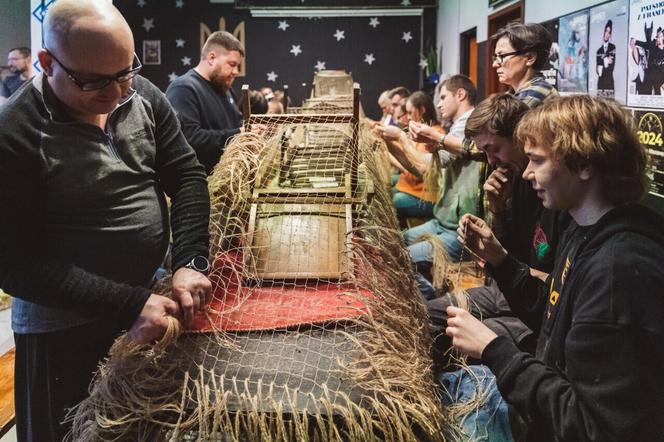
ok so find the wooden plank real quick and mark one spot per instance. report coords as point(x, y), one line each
point(301, 118)
point(300, 245)
point(306, 200)
point(246, 107)
point(281, 191)
point(356, 102)
point(284, 99)
point(297, 209)
point(7, 391)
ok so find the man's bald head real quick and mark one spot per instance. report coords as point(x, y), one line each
point(75, 22)
point(85, 41)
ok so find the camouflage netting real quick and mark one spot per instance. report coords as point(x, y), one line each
point(316, 330)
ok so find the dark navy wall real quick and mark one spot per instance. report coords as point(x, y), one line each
point(380, 53)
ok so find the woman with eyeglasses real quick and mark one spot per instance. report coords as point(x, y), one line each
point(521, 52)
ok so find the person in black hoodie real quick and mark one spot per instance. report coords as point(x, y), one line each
point(528, 230)
point(597, 370)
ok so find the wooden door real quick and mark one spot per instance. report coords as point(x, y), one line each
point(496, 21)
point(469, 54)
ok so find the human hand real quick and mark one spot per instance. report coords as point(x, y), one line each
point(258, 129)
point(388, 133)
point(468, 334)
point(152, 323)
point(423, 133)
point(377, 130)
point(190, 290)
point(498, 189)
point(475, 234)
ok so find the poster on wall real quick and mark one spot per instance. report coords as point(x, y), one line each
point(607, 60)
point(151, 51)
point(550, 69)
point(650, 132)
point(573, 53)
point(646, 54)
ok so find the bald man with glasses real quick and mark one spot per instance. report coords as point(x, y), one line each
point(88, 151)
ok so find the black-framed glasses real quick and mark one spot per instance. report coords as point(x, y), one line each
point(500, 58)
point(100, 82)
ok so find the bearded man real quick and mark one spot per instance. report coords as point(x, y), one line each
point(204, 100)
point(19, 62)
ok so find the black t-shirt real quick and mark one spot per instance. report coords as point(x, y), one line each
point(532, 232)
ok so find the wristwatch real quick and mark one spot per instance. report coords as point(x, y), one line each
point(441, 143)
point(200, 264)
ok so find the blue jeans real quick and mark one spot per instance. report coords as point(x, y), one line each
point(422, 252)
point(489, 422)
point(409, 206)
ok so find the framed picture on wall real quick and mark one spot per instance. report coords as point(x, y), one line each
point(151, 51)
point(573, 53)
point(651, 131)
point(645, 61)
point(607, 63)
point(550, 69)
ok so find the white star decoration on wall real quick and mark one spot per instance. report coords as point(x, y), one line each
point(339, 35)
point(369, 59)
point(423, 63)
point(295, 50)
point(179, 43)
point(283, 25)
point(373, 22)
point(405, 2)
point(186, 61)
point(272, 76)
point(172, 76)
point(179, 3)
point(320, 66)
point(141, 3)
point(406, 37)
point(148, 23)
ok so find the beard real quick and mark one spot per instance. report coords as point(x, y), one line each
point(219, 83)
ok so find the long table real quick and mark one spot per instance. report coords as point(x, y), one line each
point(7, 391)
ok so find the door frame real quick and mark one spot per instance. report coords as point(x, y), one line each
point(496, 21)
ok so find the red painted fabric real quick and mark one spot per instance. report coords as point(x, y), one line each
point(282, 306)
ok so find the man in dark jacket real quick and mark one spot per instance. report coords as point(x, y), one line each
point(204, 100)
point(87, 151)
point(597, 370)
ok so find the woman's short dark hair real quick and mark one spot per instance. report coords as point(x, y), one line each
point(420, 100)
point(528, 37)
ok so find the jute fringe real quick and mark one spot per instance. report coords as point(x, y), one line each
point(143, 393)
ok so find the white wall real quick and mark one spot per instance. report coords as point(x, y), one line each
point(457, 16)
point(14, 26)
point(542, 10)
